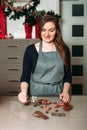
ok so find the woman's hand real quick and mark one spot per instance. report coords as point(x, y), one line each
point(65, 97)
point(23, 97)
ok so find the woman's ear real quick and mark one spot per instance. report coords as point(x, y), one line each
point(57, 32)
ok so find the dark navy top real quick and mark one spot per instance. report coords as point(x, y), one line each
point(29, 64)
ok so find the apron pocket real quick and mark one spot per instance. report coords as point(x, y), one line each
point(39, 89)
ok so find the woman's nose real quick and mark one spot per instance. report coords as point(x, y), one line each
point(47, 33)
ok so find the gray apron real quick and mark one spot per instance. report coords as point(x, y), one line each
point(47, 77)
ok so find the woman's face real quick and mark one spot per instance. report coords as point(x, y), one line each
point(48, 32)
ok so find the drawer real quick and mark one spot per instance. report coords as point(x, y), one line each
point(12, 45)
point(9, 85)
point(9, 91)
point(10, 69)
point(11, 57)
point(7, 81)
point(12, 49)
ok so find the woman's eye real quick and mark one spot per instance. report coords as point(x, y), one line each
point(51, 30)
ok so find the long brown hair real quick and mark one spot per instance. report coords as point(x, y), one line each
point(58, 41)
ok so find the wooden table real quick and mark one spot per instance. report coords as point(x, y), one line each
point(16, 116)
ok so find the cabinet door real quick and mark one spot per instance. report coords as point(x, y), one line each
point(11, 59)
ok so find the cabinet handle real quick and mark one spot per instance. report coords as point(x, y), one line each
point(14, 57)
point(13, 46)
point(12, 69)
point(13, 80)
point(14, 92)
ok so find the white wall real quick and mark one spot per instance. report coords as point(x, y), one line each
point(49, 5)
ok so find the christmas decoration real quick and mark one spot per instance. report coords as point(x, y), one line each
point(28, 30)
point(36, 29)
point(29, 11)
point(3, 30)
point(9, 36)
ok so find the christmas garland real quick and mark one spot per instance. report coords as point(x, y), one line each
point(28, 10)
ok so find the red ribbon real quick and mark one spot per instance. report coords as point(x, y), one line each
point(28, 31)
point(36, 29)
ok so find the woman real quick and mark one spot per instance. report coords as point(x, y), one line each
point(46, 65)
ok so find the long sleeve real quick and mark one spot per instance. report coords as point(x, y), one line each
point(29, 63)
point(68, 74)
